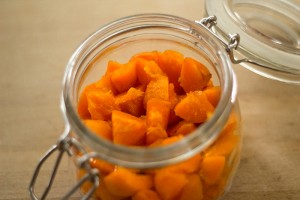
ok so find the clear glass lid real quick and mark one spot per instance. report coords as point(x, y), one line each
point(269, 32)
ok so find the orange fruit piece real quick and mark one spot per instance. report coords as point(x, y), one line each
point(149, 56)
point(102, 165)
point(100, 128)
point(193, 190)
point(124, 77)
point(158, 88)
point(194, 107)
point(212, 168)
point(131, 101)
point(213, 95)
point(82, 107)
point(158, 112)
point(188, 166)
point(101, 104)
point(103, 193)
point(128, 129)
point(193, 76)
point(147, 71)
point(224, 144)
point(112, 66)
point(87, 185)
point(171, 62)
point(105, 85)
point(182, 128)
point(169, 185)
point(154, 134)
point(125, 183)
point(146, 195)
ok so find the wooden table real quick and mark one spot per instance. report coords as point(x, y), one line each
point(36, 40)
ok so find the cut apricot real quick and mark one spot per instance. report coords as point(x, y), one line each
point(105, 85)
point(205, 72)
point(231, 125)
point(223, 145)
point(87, 185)
point(101, 104)
point(158, 88)
point(158, 113)
point(123, 182)
point(125, 77)
point(146, 195)
point(149, 56)
point(100, 127)
point(103, 193)
point(82, 106)
point(147, 71)
point(155, 134)
point(188, 166)
point(182, 128)
point(213, 95)
point(170, 62)
point(193, 190)
point(128, 129)
point(171, 140)
point(169, 185)
point(112, 66)
point(191, 77)
point(103, 166)
point(194, 107)
point(131, 101)
point(212, 168)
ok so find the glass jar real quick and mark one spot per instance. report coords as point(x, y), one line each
point(201, 165)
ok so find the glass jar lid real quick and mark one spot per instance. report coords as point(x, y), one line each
point(269, 32)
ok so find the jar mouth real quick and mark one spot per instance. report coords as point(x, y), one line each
point(137, 27)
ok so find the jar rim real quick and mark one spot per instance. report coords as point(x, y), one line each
point(149, 157)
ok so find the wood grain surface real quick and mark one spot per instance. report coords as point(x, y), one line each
point(36, 40)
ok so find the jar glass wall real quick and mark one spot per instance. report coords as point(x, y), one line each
point(204, 161)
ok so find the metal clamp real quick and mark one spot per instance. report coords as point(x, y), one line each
point(64, 146)
point(233, 40)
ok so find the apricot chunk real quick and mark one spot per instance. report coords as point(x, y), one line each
point(131, 101)
point(102, 165)
point(82, 106)
point(223, 145)
point(213, 95)
point(194, 107)
point(193, 76)
point(146, 195)
point(193, 190)
point(101, 104)
point(105, 194)
point(212, 168)
point(123, 182)
point(149, 56)
point(168, 184)
point(154, 134)
point(128, 129)
point(170, 62)
point(188, 166)
point(100, 127)
point(158, 88)
point(182, 128)
point(158, 112)
point(125, 77)
point(147, 71)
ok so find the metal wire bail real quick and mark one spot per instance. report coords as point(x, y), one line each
point(232, 44)
point(63, 146)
